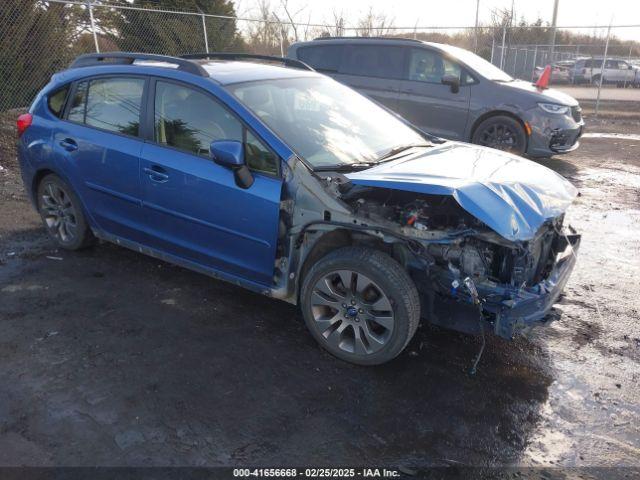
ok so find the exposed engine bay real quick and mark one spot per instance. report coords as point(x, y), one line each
point(471, 249)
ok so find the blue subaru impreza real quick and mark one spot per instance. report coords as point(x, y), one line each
point(262, 172)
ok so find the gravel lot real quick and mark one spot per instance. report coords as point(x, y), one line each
point(108, 357)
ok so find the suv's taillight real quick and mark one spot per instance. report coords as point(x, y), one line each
point(23, 122)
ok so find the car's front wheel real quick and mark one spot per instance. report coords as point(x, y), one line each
point(501, 132)
point(62, 214)
point(360, 305)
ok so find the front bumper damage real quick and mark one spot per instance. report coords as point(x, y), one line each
point(554, 134)
point(508, 310)
point(529, 307)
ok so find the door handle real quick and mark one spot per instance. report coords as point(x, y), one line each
point(69, 144)
point(156, 174)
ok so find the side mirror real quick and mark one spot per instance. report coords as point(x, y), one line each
point(453, 81)
point(230, 154)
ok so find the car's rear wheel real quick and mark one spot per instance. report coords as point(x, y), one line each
point(62, 214)
point(360, 305)
point(501, 132)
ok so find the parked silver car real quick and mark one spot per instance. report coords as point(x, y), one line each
point(450, 92)
point(589, 70)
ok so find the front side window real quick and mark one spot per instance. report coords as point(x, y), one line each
point(325, 122)
point(111, 104)
point(430, 66)
point(258, 157)
point(190, 120)
point(374, 61)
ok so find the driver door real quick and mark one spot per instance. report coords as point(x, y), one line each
point(429, 104)
point(193, 208)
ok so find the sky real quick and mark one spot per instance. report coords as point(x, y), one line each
point(462, 12)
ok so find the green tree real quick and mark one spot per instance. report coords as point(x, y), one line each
point(175, 33)
point(36, 40)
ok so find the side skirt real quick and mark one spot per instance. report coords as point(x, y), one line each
point(188, 264)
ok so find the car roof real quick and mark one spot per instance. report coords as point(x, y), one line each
point(365, 41)
point(221, 68)
point(227, 72)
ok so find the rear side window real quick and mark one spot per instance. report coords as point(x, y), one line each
point(111, 104)
point(374, 61)
point(325, 58)
point(56, 100)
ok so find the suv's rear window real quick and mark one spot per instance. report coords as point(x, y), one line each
point(324, 58)
point(374, 61)
point(56, 100)
point(109, 103)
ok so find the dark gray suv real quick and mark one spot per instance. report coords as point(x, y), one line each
point(450, 92)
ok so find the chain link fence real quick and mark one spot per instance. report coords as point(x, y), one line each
point(38, 38)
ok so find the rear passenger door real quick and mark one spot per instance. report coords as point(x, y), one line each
point(373, 70)
point(98, 148)
point(429, 104)
point(193, 208)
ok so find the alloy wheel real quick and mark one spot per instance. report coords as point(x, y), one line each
point(499, 136)
point(59, 213)
point(352, 312)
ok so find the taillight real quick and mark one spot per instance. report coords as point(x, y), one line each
point(24, 122)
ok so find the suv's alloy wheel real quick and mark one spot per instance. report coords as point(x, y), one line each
point(502, 133)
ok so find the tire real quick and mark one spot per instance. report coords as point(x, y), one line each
point(595, 80)
point(502, 133)
point(343, 319)
point(62, 214)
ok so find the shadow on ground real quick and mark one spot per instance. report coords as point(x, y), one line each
point(115, 358)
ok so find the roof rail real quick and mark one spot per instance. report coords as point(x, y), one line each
point(287, 62)
point(128, 58)
point(399, 39)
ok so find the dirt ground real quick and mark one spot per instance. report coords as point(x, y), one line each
point(108, 357)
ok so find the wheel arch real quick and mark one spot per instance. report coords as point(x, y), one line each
point(335, 239)
point(496, 113)
point(37, 178)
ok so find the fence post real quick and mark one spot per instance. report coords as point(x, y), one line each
point(604, 59)
point(493, 46)
point(204, 31)
point(628, 61)
point(504, 38)
point(535, 59)
point(475, 37)
point(93, 25)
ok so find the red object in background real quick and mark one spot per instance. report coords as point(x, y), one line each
point(23, 122)
point(543, 81)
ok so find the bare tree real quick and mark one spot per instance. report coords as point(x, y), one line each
point(374, 24)
point(264, 35)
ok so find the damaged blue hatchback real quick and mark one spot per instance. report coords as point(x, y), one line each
point(262, 172)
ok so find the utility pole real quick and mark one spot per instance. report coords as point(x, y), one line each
point(604, 61)
point(554, 22)
point(475, 45)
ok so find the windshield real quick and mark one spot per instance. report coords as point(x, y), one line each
point(324, 122)
point(479, 64)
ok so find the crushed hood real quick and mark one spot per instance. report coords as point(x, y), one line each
point(511, 195)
